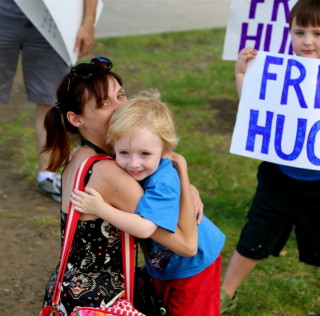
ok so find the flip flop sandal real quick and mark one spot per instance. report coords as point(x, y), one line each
point(227, 304)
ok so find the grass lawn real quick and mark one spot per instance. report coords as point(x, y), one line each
point(186, 67)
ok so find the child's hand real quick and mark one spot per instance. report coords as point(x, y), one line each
point(86, 202)
point(241, 66)
point(244, 56)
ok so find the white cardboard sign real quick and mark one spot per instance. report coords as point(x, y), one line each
point(262, 24)
point(58, 21)
point(278, 118)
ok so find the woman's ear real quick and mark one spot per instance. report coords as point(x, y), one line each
point(74, 119)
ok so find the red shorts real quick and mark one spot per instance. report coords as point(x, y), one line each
point(196, 295)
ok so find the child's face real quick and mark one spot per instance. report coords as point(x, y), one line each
point(139, 153)
point(305, 40)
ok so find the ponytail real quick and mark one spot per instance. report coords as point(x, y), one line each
point(58, 141)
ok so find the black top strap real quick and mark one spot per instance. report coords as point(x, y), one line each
point(87, 143)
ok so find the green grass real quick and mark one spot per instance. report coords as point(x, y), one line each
point(187, 69)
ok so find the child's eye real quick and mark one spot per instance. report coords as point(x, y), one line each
point(299, 33)
point(123, 153)
point(317, 34)
point(145, 153)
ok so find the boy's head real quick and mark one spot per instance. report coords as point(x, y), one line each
point(306, 13)
point(305, 28)
point(142, 131)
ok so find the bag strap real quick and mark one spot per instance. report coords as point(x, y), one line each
point(128, 259)
point(71, 225)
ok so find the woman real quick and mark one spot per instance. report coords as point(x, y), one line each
point(87, 98)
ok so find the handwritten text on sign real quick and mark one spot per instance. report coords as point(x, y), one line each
point(262, 24)
point(278, 117)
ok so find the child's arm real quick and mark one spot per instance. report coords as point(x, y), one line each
point(91, 202)
point(241, 65)
point(185, 240)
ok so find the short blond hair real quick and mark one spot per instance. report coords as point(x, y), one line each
point(145, 109)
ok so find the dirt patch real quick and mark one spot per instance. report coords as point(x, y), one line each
point(29, 250)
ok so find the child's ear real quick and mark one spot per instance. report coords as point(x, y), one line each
point(165, 153)
point(74, 119)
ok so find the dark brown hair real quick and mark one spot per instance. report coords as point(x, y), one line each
point(306, 12)
point(73, 93)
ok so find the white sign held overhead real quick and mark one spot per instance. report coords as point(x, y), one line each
point(262, 24)
point(58, 21)
point(278, 118)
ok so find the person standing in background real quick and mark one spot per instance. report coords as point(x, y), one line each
point(43, 69)
point(287, 199)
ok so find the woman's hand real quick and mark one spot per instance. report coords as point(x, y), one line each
point(198, 205)
point(180, 163)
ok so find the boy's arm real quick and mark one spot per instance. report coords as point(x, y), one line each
point(185, 240)
point(91, 202)
point(241, 66)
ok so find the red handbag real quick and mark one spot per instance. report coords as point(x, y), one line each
point(122, 307)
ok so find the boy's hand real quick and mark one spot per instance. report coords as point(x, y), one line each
point(244, 56)
point(86, 202)
point(241, 65)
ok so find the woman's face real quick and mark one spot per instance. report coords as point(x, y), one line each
point(94, 119)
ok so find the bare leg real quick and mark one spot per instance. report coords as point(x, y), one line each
point(41, 111)
point(238, 269)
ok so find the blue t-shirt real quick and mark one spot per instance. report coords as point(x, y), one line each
point(300, 173)
point(160, 204)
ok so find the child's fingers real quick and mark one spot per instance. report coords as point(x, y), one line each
point(90, 191)
point(76, 205)
point(78, 193)
point(75, 196)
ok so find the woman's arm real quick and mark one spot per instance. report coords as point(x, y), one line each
point(122, 191)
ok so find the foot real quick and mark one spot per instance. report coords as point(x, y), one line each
point(51, 187)
point(227, 304)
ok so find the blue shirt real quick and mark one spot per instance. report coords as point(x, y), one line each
point(160, 204)
point(300, 173)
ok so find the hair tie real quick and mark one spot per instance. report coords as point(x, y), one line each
point(58, 106)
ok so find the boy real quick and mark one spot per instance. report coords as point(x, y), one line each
point(286, 197)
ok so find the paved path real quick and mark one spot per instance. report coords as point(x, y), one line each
point(132, 17)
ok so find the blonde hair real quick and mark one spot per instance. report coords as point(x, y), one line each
point(145, 109)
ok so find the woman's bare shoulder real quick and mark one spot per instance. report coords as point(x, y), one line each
point(117, 186)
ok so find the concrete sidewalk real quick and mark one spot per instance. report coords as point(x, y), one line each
point(133, 17)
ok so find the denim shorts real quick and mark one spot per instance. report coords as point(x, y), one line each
point(43, 69)
point(280, 206)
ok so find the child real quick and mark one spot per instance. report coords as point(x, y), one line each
point(286, 197)
point(143, 135)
